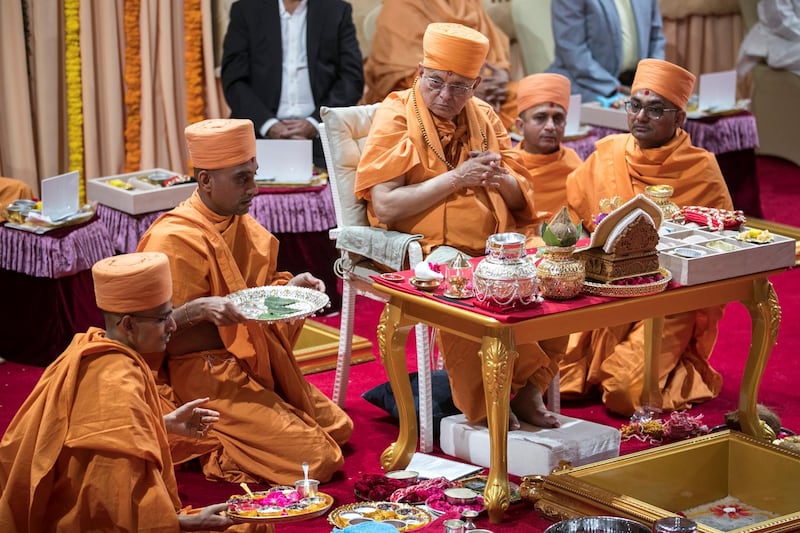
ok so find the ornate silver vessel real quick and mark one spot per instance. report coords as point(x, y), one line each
point(506, 278)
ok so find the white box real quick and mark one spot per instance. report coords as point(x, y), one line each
point(713, 263)
point(532, 450)
point(137, 201)
point(597, 115)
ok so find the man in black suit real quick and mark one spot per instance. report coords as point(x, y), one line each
point(283, 59)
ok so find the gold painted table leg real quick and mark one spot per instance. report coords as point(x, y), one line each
point(392, 336)
point(765, 314)
point(651, 392)
point(498, 354)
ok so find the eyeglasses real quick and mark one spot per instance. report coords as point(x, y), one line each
point(456, 89)
point(652, 112)
point(161, 319)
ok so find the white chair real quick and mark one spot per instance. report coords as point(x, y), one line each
point(343, 133)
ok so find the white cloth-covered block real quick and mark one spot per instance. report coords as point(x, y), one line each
point(532, 450)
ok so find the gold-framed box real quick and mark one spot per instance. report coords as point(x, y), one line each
point(661, 482)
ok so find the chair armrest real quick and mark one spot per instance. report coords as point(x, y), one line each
point(387, 247)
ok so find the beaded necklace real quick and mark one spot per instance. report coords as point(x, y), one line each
point(428, 142)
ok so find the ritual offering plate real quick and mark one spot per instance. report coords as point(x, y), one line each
point(402, 516)
point(630, 287)
point(428, 285)
point(277, 505)
point(279, 303)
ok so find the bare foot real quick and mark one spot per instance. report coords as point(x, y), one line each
point(529, 407)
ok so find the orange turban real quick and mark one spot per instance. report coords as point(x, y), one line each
point(454, 48)
point(220, 142)
point(667, 79)
point(543, 88)
point(132, 282)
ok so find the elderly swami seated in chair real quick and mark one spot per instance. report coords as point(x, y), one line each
point(438, 162)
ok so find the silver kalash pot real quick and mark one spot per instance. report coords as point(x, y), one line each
point(506, 278)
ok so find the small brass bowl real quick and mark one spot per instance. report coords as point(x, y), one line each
point(428, 285)
point(409, 476)
point(460, 496)
point(17, 213)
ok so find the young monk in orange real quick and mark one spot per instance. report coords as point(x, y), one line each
point(438, 162)
point(88, 449)
point(656, 151)
point(543, 101)
point(274, 420)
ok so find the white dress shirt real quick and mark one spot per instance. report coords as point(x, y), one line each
point(297, 101)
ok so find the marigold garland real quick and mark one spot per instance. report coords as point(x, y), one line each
point(193, 28)
point(72, 67)
point(133, 87)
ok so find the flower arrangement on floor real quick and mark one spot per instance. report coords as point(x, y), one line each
point(678, 426)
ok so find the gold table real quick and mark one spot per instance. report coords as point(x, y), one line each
point(499, 339)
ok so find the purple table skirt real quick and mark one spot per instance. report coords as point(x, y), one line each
point(49, 280)
point(56, 254)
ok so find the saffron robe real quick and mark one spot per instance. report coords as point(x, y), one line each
point(271, 418)
point(10, 190)
point(613, 358)
point(88, 449)
point(549, 176)
point(464, 220)
point(396, 48)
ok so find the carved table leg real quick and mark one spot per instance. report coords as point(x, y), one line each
point(651, 392)
point(765, 314)
point(498, 354)
point(392, 336)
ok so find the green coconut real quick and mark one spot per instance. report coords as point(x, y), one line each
point(560, 231)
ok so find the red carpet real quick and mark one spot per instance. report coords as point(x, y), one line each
point(780, 193)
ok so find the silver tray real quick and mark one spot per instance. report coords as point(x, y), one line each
point(279, 303)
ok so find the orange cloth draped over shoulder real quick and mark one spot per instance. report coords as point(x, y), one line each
point(396, 147)
point(90, 428)
point(12, 189)
point(397, 45)
point(549, 177)
point(273, 419)
point(613, 358)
